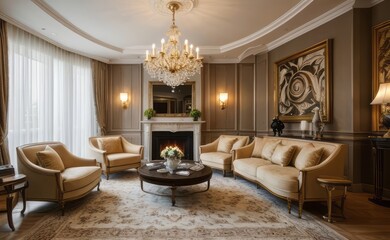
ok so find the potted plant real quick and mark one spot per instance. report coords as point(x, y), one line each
point(149, 113)
point(195, 113)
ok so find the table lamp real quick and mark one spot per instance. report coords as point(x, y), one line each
point(383, 97)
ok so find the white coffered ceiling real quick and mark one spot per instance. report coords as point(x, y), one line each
point(119, 31)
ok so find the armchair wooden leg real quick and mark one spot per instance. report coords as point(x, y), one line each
point(98, 186)
point(224, 173)
point(62, 205)
point(300, 208)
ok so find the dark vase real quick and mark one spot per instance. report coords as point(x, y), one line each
point(195, 118)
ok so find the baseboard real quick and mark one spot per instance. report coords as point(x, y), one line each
point(363, 187)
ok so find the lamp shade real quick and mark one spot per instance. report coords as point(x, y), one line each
point(223, 97)
point(383, 95)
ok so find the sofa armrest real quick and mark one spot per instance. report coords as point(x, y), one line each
point(243, 152)
point(98, 154)
point(131, 148)
point(210, 147)
point(332, 166)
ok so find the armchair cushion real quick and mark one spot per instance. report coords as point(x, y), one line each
point(110, 144)
point(269, 148)
point(225, 144)
point(120, 159)
point(283, 154)
point(49, 158)
point(78, 177)
point(217, 157)
point(309, 156)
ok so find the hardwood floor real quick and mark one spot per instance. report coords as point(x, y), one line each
point(364, 220)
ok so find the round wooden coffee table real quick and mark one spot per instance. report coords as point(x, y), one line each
point(173, 181)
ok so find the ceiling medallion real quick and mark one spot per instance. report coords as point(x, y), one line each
point(173, 64)
point(162, 6)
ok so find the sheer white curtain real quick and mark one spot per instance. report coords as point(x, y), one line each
point(51, 94)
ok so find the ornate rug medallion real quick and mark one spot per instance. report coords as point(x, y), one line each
point(231, 209)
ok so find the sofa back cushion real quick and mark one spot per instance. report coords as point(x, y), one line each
point(241, 141)
point(269, 148)
point(225, 143)
point(283, 154)
point(309, 156)
point(110, 144)
point(258, 148)
point(50, 159)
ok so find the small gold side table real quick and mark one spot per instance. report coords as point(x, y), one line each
point(330, 184)
point(13, 184)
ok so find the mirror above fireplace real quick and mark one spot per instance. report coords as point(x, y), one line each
point(168, 102)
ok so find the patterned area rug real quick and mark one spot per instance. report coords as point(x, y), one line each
point(231, 209)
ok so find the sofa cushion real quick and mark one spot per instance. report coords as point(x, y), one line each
point(120, 159)
point(225, 144)
point(269, 148)
point(258, 148)
point(216, 157)
point(249, 165)
point(283, 154)
point(241, 141)
point(309, 156)
point(79, 177)
point(281, 178)
point(110, 144)
point(50, 159)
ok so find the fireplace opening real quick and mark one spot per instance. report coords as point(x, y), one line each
point(162, 139)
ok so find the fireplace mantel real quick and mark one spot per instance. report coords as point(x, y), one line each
point(171, 125)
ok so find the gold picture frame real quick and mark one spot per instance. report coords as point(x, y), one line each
point(380, 68)
point(303, 81)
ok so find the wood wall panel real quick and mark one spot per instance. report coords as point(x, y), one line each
point(246, 97)
point(125, 78)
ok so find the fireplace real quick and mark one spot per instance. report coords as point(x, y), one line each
point(162, 139)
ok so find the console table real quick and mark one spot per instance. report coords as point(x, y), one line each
point(379, 145)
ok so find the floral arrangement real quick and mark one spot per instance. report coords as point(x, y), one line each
point(171, 152)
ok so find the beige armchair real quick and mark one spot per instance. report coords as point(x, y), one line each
point(115, 153)
point(218, 154)
point(76, 178)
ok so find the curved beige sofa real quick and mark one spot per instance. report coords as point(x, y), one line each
point(289, 182)
point(79, 177)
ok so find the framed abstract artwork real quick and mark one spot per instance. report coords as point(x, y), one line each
point(303, 82)
point(380, 69)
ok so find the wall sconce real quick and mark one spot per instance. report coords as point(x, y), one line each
point(124, 99)
point(223, 97)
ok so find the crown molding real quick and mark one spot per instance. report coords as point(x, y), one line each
point(41, 36)
point(269, 28)
point(318, 21)
point(252, 51)
point(58, 17)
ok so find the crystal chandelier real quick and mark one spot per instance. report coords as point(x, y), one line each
point(173, 65)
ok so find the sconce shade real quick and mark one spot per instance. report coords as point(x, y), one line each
point(223, 99)
point(383, 95)
point(124, 97)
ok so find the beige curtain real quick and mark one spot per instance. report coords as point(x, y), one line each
point(4, 153)
point(100, 88)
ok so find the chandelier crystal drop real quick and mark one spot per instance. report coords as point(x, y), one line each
point(173, 65)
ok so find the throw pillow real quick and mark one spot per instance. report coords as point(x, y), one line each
point(258, 148)
point(283, 154)
point(309, 156)
point(50, 159)
point(239, 143)
point(225, 144)
point(269, 148)
point(110, 144)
